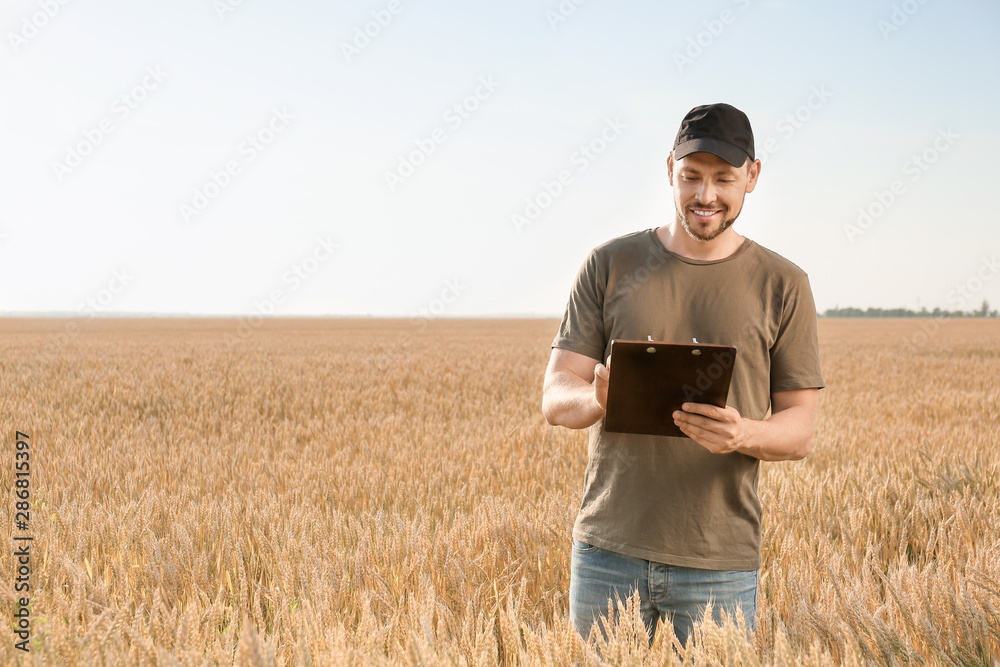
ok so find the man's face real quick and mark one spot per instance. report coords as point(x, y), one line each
point(709, 192)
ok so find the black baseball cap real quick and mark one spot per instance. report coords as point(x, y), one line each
point(719, 129)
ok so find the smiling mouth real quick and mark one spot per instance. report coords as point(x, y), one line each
point(704, 212)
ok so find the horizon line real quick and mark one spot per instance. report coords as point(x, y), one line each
point(151, 315)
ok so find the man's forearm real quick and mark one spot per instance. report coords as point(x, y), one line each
point(785, 436)
point(568, 400)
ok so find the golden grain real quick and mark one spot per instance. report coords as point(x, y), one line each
point(377, 492)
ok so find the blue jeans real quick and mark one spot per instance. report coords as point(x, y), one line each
point(666, 592)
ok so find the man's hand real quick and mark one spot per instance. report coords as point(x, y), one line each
point(601, 374)
point(786, 435)
point(718, 430)
point(575, 392)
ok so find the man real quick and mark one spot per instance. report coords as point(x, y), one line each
point(678, 519)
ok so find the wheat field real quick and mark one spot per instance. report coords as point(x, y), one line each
point(374, 492)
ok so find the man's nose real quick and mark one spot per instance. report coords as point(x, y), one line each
point(706, 192)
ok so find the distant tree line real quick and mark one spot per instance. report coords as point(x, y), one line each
point(982, 311)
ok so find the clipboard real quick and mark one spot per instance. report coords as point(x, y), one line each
point(649, 380)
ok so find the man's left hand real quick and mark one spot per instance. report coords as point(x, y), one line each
point(718, 430)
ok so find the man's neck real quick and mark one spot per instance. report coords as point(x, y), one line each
point(676, 240)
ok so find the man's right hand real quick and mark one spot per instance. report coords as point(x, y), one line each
point(602, 374)
point(576, 389)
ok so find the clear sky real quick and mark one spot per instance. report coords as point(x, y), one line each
point(392, 157)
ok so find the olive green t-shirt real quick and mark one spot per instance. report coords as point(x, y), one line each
point(668, 499)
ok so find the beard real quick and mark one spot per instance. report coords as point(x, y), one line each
point(708, 234)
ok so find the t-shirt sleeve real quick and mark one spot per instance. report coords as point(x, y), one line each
point(582, 327)
point(795, 353)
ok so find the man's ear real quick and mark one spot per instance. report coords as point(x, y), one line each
point(670, 168)
point(753, 175)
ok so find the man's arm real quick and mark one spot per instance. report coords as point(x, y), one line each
point(575, 393)
point(786, 435)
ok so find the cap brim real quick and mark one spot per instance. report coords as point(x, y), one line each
point(728, 152)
